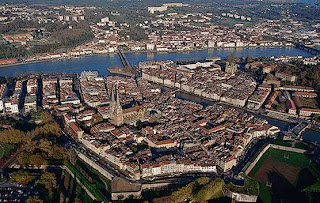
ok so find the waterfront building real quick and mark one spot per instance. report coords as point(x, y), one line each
point(13, 103)
point(3, 92)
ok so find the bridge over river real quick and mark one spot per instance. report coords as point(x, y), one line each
point(310, 50)
point(297, 130)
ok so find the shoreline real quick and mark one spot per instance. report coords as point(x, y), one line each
point(140, 52)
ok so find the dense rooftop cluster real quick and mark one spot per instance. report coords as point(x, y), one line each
point(208, 82)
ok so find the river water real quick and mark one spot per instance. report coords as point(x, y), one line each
point(102, 62)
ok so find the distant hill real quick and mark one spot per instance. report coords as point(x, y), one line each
point(128, 2)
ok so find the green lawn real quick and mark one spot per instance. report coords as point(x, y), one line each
point(286, 143)
point(313, 188)
point(95, 175)
point(315, 170)
point(82, 195)
point(7, 149)
point(265, 193)
point(251, 186)
point(95, 188)
point(295, 159)
point(199, 190)
point(301, 145)
point(78, 192)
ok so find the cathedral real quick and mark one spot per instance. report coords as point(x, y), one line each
point(119, 116)
point(231, 68)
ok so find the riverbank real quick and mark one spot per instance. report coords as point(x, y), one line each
point(209, 101)
point(101, 62)
point(143, 52)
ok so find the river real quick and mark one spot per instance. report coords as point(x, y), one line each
point(102, 62)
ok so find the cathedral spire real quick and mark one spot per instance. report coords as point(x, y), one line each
point(112, 93)
point(117, 99)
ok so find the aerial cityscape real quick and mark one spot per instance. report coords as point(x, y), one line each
point(159, 101)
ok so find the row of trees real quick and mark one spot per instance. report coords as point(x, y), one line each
point(46, 184)
point(17, 24)
point(135, 33)
point(15, 136)
point(200, 190)
point(308, 75)
point(62, 35)
point(12, 136)
point(41, 153)
point(41, 144)
point(11, 51)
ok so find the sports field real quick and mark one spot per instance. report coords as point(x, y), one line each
point(270, 169)
point(282, 175)
point(276, 156)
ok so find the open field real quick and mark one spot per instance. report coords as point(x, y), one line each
point(283, 176)
point(269, 171)
point(295, 159)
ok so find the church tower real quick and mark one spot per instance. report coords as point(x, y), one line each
point(116, 112)
point(231, 68)
point(112, 103)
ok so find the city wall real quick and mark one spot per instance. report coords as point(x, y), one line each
point(82, 186)
point(137, 194)
point(122, 195)
point(96, 166)
point(240, 197)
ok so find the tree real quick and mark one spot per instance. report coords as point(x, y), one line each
point(59, 152)
point(49, 180)
point(23, 177)
point(37, 160)
point(139, 125)
point(12, 136)
point(34, 199)
point(23, 158)
point(72, 157)
point(46, 117)
point(47, 147)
